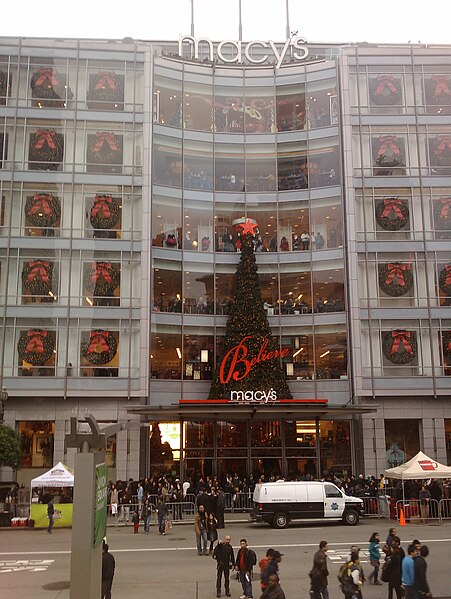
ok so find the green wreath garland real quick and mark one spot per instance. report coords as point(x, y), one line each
point(389, 154)
point(106, 86)
point(35, 346)
point(442, 213)
point(385, 90)
point(395, 279)
point(397, 340)
point(46, 145)
point(446, 343)
point(444, 280)
point(102, 340)
point(392, 214)
point(42, 210)
point(104, 213)
point(37, 276)
point(101, 278)
point(46, 83)
point(441, 151)
point(105, 147)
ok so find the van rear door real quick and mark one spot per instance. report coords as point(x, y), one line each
point(301, 509)
point(315, 501)
point(334, 501)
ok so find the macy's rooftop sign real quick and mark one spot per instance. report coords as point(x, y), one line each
point(230, 51)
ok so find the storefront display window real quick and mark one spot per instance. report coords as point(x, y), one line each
point(39, 279)
point(294, 233)
point(36, 443)
point(229, 109)
point(102, 283)
point(103, 216)
point(445, 339)
point(322, 103)
point(166, 352)
point(198, 165)
point(402, 441)
point(197, 106)
point(167, 222)
point(198, 285)
point(291, 108)
point(326, 223)
point(330, 354)
point(164, 447)
point(299, 364)
point(226, 233)
point(260, 167)
point(328, 287)
point(265, 213)
point(259, 110)
point(335, 447)
point(225, 289)
point(198, 353)
point(292, 166)
point(295, 289)
point(99, 353)
point(198, 226)
point(167, 161)
point(229, 167)
point(167, 286)
point(36, 349)
point(168, 101)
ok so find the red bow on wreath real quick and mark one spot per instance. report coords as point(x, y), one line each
point(448, 275)
point(392, 204)
point(45, 136)
point(441, 85)
point(46, 75)
point(446, 205)
point(388, 141)
point(101, 269)
point(35, 344)
point(385, 81)
point(38, 268)
point(98, 338)
point(106, 80)
point(443, 142)
point(396, 270)
point(102, 204)
point(401, 337)
point(41, 204)
point(103, 137)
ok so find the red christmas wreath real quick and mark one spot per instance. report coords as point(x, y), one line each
point(446, 343)
point(388, 151)
point(37, 276)
point(101, 278)
point(395, 278)
point(105, 148)
point(42, 210)
point(441, 154)
point(392, 214)
point(385, 90)
point(400, 347)
point(46, 145)
point(438, 90)
point(104, 212)
point(106, 86)
point(100, 348)
point(442, 213)
point(35, 346)
point(444, 280)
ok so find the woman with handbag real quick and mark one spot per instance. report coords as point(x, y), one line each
point(212, 531)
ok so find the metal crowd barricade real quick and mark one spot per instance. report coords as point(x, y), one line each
point(445, 509)
point(414, 511)
point(383, 506)
point(242, 502)
point(370, 505)
point(181, 510)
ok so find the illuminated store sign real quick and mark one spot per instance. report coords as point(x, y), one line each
point(253, 396)
point(239, 51)
point(235, 364)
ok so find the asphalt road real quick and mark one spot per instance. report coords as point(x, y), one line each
point(34, 565)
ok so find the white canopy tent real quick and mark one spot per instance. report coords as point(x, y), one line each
point(419, 467)
point(58, 476)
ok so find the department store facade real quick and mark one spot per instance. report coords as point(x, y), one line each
point(126, 169)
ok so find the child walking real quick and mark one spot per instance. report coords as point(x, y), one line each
point(374, 549)
point(135, 521)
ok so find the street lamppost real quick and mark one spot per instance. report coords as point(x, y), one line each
point(3, 400)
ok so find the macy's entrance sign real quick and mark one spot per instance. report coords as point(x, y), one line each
point(236, 49)
point(236, 365)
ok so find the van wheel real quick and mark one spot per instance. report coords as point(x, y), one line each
point(280, 521)
point(351, 517)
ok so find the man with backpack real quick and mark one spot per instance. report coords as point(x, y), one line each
point(351, 577)
point(245, 561)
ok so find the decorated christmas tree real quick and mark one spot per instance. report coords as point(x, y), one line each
point(250, 360)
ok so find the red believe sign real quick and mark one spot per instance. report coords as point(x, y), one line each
point(240, 366)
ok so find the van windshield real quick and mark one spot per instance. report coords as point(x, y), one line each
point(333, 491)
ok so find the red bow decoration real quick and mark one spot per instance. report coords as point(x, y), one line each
point(396, 269)
point(401, 337)
point(46, 75)
point(103, 137)
point(392, 204)
point(448, 274)
point(41, 204)
point(102, 203)
point(443, 142)
point(388, 141)
point(441, 85)
point(106, 80)
point(101, 269)
point(446, 205)
point(35, 344)
point(98, 338)
point(386, 81)
point(45, 136)
point(38, 268)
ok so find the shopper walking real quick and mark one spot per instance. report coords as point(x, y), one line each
point(201, 530)
point(220, 507)
point(319, 572)
point(146, 516)
point(408, 572)
point(108, 568)
point(262, 565)
point(272, 567)
point(212, 531)
point(162, 512)
point(135, 520)
point(225, 560)
point(392, 568)
point(245, 561)
point(420, 566)
point(50, 516)
point(375, 555)
point(352, 586)
point(273, 590)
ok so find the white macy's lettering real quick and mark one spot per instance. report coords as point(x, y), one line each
point(253, 396)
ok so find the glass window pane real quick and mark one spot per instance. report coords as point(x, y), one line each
point(328, 287)
point(165, 352)
point(229, 167)
point(291, 107)
point(260, 167)
point(229, 109)
point(198, 165)
point(198, 289)
point(167, 161)
point(167, 286)
point(198, 106)
point(292, 165)
point(330, 354)
point(326, 222)
point(322, 103)
point(294, 226)
point(166, 222)
point(167, 101)
point(198, 351)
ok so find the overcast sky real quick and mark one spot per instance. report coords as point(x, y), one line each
point(317, 20)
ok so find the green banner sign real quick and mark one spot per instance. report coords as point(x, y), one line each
point(100, 504)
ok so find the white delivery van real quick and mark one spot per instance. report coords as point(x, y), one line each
point(280, 502)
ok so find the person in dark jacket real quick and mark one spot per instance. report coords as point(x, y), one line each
point(273, 590)
point(162, 512)
point(220, 507)
point(225, 558)
point(319, 572)
point(421, 583)
point(271, 568)
point(50, 516)
point(108, 567)
point(244, 565)
point(394, 566)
